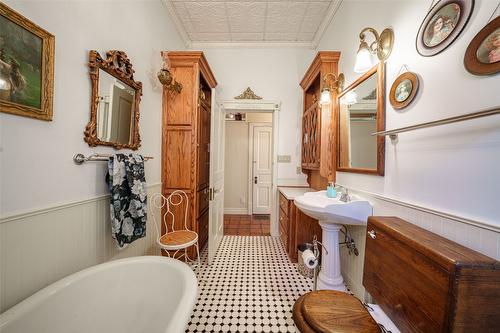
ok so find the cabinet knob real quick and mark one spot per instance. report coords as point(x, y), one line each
point(372, 234)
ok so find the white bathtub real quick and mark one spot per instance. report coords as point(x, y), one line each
point(140, 294)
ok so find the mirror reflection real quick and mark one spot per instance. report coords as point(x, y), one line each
point(358, 120)
point(115, 109)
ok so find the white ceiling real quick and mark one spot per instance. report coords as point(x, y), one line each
point(251, 22)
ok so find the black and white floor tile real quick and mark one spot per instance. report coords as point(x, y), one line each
point(250, 287)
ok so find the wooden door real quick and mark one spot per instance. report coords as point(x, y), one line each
point(262, 169)
point(216, 218)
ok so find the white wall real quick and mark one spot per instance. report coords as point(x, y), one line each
point(36, 156)
point(71, 232)
point(273, 74)
point(452, 168)
point(236, 168)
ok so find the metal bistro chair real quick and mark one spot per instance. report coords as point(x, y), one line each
point(175, 240)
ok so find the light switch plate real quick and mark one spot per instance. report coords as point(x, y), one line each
point(299, 170)
point(284, 158)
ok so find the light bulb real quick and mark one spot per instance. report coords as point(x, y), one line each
point(325, 97)
point(364, 61)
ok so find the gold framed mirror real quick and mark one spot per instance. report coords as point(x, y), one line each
point(114, 105)
point(361, 112)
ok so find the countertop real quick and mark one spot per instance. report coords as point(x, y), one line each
point(292, 192)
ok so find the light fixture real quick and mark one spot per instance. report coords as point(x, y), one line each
point(382, 47)
point(336, 84)
point(350, 98)
point(165, 76)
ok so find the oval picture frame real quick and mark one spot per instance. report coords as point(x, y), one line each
point(413, 78)
point(471, 61)
point(445, 38)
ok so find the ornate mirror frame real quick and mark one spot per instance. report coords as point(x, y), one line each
point(380, 70)
point(119, 66)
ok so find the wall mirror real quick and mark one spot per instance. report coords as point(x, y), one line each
point(114, 110)
point(361, 112)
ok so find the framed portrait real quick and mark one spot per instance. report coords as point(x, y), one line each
point(26, 66)
point(483, 53)
point(403, 90)
point(442, 25)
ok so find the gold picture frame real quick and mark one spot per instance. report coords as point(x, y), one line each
point(27, 87)
point(476, 60)
point(403, 90)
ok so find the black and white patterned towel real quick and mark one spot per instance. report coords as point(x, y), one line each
point(128, 205)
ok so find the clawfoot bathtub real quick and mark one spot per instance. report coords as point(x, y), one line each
point(140, 294)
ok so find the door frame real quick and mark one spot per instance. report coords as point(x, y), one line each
point(262, 106)
point(250, 164)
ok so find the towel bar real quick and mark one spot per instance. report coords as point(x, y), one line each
point(80, 158)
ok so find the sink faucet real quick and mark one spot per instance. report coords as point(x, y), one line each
point(344, 194)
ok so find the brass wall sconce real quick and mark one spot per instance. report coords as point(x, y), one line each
point(165, 76)
point(382, 47)
point(335, 84)
point(168, 81)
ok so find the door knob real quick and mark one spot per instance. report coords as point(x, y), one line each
point(255, 180)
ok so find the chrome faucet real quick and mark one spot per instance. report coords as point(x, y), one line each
point(344, 194)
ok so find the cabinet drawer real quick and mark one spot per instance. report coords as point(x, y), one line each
point(284, 205)
point(203, 201)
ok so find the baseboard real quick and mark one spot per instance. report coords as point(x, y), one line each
point(236, 211)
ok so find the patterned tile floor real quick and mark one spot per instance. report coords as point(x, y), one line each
point(247, 225)
point(250, 287)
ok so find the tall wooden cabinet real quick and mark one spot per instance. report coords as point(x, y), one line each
point(186, 138)
point(318, 122)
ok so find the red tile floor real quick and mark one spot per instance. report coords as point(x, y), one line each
point(247, 225)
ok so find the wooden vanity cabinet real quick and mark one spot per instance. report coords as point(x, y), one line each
point(185, 161)
point(318, 130)
point(295, 227)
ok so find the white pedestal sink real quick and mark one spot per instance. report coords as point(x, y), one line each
point(332, 214)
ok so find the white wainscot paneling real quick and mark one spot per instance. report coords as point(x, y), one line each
point(41, 247)
point(477, 238)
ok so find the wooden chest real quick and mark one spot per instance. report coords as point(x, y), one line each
point(426, 283)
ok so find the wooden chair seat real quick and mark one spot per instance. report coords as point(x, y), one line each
point(332, 312)
point(178, 239)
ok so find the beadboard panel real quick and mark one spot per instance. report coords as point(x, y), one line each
point(41, 247)
point(477, 238)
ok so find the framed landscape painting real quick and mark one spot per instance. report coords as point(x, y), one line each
point(26, 66)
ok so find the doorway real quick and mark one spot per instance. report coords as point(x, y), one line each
point(248, 173)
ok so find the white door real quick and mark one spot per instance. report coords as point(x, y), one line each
point(262, 176)
point(216, 217)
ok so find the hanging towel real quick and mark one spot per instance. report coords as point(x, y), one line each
point(128, 205)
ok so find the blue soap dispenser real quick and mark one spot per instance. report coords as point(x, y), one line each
point(330, 190)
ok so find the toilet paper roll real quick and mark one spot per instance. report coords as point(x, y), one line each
point(309, 259)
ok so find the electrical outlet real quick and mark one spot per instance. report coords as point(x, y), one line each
point(284, 158)
point(299, 170)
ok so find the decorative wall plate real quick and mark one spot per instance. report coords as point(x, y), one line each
point(403, 90)
point(483, 54)
point(442, 25)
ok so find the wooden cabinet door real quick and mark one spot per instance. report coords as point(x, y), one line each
point(283, 228)
point(311, 137)
point(203, 145)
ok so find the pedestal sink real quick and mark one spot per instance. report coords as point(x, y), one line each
point(332, 214)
